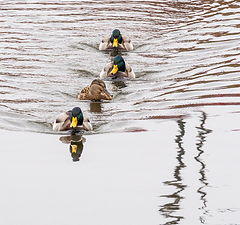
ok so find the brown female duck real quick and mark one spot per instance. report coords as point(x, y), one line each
point(96, 91)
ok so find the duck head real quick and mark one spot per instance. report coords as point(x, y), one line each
point(76, 117)
point(116, 38)
point(118, 64)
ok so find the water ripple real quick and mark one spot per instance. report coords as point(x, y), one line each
point(186, 56)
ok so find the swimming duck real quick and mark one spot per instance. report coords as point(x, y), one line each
point(117, 68)
point(96, 91)
point(116, 41)
point(72, 120)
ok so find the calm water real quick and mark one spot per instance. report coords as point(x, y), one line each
point(186, 60)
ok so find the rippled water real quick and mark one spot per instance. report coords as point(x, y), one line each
point(186, 57)
point(186, 60)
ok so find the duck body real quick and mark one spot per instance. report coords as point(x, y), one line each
point(96, 91)
point(116, 41)
point(72, 120)
point(117, 69)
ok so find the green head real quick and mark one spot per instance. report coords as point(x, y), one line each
point(76, 117)
point(118, 64)
point(116, 38)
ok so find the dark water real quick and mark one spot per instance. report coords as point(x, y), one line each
point(186, 60)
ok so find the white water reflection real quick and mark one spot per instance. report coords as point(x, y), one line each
point(181, 174)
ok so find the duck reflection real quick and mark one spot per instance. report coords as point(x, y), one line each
point(96, 107)
point(169, 209)
point(202, 133)
point(75, 145)
point(119, 84)
point(115, 52)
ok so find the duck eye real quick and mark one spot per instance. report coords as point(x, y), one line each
point(102, 41)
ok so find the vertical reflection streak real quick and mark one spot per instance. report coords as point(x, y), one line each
point(202, 132)
point(169, 209)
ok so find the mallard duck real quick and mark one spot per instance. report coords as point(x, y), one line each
point(72, 120)
point(116, 41)
point(95, 91)
point(117, 68)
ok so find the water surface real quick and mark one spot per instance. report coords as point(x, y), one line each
point(186, 57)
point(186, 96)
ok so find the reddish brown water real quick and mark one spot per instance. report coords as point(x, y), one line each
point(186, 57)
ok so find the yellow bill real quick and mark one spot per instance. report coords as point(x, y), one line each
point(115, 69)
point(74, 148)
point(74, 122)
point(115, 42)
